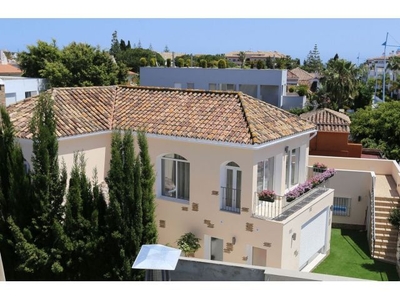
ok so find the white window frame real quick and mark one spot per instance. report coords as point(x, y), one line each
point(175, 159)
point(234, 207)
point(267, 183)
point(292, 162)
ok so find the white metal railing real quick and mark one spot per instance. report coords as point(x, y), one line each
point(373, 215)
point(271, 210)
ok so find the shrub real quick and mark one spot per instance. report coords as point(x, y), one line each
point(222, 64)
point(394, 217)
point(203, 63)
point(260, 64)
point(302, 91)
point(143, 62)
point(188, 243)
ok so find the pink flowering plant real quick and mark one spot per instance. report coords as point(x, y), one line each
point(319, 166)
point(267, 195)
point(309, 184)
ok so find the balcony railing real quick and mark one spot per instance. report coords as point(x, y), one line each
point(280, 209)
point(230, 199)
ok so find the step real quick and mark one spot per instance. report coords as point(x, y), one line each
point(385, 253)
point(380, 213)
point(379, 198)
point(386, 259)
point(386, 242)
point(387, 247)
point(385, 205)
point(379, 223)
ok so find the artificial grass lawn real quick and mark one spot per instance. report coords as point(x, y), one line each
point(350, 257)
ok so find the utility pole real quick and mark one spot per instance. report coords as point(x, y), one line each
point(384, 68)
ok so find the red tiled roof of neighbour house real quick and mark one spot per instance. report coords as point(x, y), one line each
point(303, 75)
point(291, 75)
point(328, 120)
point(8, 69)
point(208, 115)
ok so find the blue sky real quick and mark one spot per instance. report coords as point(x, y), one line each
point(350, 37)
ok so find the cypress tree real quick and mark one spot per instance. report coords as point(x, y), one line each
point(45, 232)
point(116, 224)
point(79, 250)
point(14, 192)
point(150, 235)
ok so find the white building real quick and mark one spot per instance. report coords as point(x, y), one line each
point(267, 85)
point(19, 88)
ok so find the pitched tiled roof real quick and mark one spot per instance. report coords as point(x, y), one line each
point(328, 120)
point(291, 75)
point(9, 69)
point(217, 116)
point(303, 75)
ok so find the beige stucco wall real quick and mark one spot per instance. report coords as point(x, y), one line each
point(202, 214)
point(96, 149)
point(356, 185)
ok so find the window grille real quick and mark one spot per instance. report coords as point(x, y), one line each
point(341, 206)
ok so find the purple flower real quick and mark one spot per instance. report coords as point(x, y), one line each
point(309, 184)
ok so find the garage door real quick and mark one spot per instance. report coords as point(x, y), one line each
point(313, 237)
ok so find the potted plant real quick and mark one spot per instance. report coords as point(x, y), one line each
point(319, 167)
point(267, 195)
point(189, 244)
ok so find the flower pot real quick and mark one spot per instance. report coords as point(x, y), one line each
point(289, 199)
point(267, 199)
point(319, 170)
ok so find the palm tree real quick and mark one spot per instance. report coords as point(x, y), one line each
point(242, 58)
point(341, 77)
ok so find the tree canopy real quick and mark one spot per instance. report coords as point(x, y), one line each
point(78, 64)
point(378, 128)
point(313, 62)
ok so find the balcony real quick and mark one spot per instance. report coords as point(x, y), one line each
point(281, 209)
point(230, 199)
point(296, 198)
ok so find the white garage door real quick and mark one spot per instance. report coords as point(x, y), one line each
point(313, 237)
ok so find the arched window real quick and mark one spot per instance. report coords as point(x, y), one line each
point(175, 177)
point(231, 191)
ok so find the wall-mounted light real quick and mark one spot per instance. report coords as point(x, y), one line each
point(331, 207)
point(294, 236)
point(233, 240)
point(286, 149)
point(359, 198)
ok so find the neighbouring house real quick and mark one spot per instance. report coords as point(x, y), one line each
point(18, 88)
point(376, 67)
point(253, 56)
point(267, 85)
point(332, 138)
point(212, 151)
point(132, 78)
point(304, 78)
point(10, 70)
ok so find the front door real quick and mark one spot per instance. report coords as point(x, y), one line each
point(216, 249)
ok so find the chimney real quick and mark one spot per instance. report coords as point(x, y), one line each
point(2, 93)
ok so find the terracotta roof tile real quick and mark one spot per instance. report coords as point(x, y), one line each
point(328, 120)
point(9, 69)
point(218, 116)
point(302, 75)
